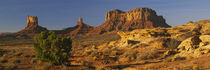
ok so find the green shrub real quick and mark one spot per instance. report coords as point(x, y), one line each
point(50, 47)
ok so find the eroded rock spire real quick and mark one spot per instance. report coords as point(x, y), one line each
point(80, 22)
point(32, 21)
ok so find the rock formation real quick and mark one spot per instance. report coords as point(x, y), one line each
point(194, 46)
point(79, 29)
point(116, 20)
point(138, 18)
point(31, 29)
point(192, 39)
point(32, 26)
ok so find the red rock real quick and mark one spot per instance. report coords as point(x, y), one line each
point(138, 18)
point(79, 29)
point(32, 26)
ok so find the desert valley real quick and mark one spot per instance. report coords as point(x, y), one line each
point(138, 39)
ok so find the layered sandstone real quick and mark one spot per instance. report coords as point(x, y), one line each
point(138, 18)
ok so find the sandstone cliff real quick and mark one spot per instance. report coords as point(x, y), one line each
point(138, 18)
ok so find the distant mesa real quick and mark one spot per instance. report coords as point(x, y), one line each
point(116, 20)
point(138, 18)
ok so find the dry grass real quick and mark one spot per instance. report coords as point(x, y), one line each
point(11, 66)
point(95, 39)
point(148, 55)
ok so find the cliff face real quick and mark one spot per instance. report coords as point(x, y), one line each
point(138, 18)
point(32, 26)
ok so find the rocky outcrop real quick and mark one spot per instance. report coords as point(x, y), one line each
point(194, 46)
point(161, 44)
point(32, 26)
point(179, 33)
point(138, 18)
point(163, 38)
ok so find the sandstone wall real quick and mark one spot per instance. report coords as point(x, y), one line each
point(138, 18)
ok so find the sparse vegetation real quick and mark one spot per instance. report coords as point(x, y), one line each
point(49, 47)
point(33, 60)
point(128, 56)
point(11, 66)
point(148, 55)
point(172, 43)
point(3, 60)
point(19, 53)
point(27, 55)
point(154, 49)
point(16, 61)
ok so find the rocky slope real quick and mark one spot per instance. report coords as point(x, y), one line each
point(31, 29)
point(81, 28)
point(190, 40)
point(138, 18)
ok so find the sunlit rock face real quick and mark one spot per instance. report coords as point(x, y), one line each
point(138, 18)
point(31, 30)
point(32, 21)
point(194, 46)
point(182, 36)
point(32, 26)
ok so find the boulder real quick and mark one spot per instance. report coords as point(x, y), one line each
point(194, 46)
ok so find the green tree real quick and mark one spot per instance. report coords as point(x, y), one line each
point(49, 47)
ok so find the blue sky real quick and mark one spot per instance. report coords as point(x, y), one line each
point(59, 14)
